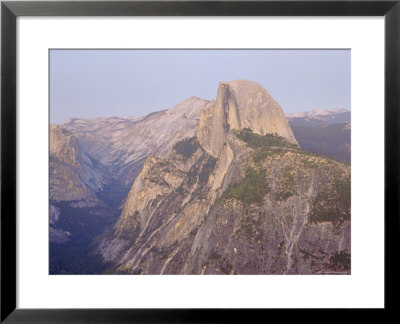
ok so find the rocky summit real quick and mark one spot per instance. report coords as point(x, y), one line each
point(205, 187)
point(241, 104)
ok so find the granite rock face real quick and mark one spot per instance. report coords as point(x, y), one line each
point(72, 175)
point(238, 197)
point(241, 104)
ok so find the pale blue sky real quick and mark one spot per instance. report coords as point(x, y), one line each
point(104, 83)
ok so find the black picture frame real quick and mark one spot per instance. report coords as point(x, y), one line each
point(10, 10)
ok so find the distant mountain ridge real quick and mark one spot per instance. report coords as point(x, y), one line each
point(317, 113)
point(325, 132)
point(319, 117)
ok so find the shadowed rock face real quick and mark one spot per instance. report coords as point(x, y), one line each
point(235, 199)
point(241, 104)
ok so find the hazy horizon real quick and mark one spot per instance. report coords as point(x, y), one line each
point(138, 117)
point(133, 83)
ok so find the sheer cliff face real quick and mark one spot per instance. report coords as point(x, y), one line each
point(64, 146)
point(241, 104)
point(66, 167)
point(234, 199)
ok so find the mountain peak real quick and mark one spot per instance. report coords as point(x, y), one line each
point(243, 85)
point(241, 104)
point(191, 104)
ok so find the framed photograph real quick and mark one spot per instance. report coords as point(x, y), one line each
point(181, 160)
